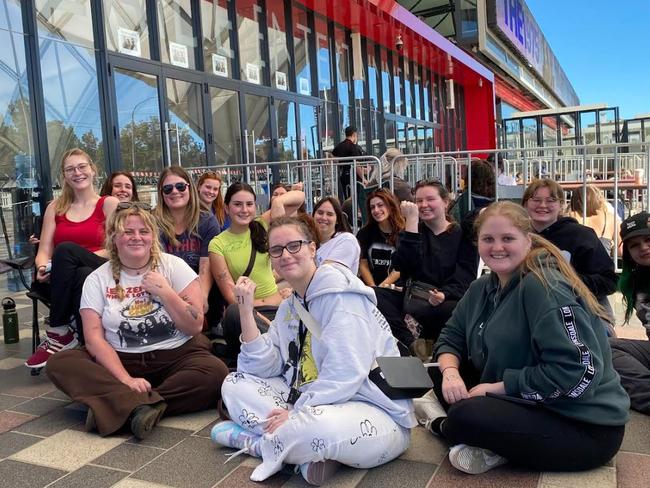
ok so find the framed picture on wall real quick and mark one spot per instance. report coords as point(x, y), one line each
point(304, 87)
point(280, 80)
point(253, 73)
point(178, 55)
point(128, 42)
point(220, 65)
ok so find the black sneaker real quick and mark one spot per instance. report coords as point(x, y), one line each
point(145, 417)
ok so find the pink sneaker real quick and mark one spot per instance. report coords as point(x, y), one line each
point(52, 344)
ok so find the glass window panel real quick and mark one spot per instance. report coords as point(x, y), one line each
point(588, 127)
point(512, 134)
point(126, 27)
point(607, 120)
point(68, 20)
point(374, 135)
point(279, 60)
point(225, 123)
point(646, 130)
point(386, 80)
point(177, 41)
point(10, 15)
point(417, 93)
point(186, 134)
point(344, 117)
point(408, 94)
point(258, 124)
point(251, 39)
point(426, 89)
point(428, 140)
point(302, 38)
point(373, 76)
point(138, 117)
point(343, 75)
point(411, 139)
point(325, 85)
point(309, 138)
point(389, 128)
point(401, 137)
point(217, 30)
point(71, 101)
point(287, 133)
point(398, 81)
point(326, 123)
point(549, 131)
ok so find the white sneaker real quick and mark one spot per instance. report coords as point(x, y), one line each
point(428, 409)
point(474, 460)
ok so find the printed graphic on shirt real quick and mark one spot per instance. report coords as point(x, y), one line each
point(143, 320)
point(379, 258)
point(307, 371)
point(189, 250)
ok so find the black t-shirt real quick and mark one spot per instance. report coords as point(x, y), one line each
point(376, 250)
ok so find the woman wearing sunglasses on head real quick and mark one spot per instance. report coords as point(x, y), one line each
point(71, 247)
point(144, 354)
point(301, 394)
point(186, 230)
point(242, 250)
point(122, 186)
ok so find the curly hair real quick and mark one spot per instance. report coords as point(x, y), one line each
point(115, 227)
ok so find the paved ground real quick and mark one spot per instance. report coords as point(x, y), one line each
point(42, 443)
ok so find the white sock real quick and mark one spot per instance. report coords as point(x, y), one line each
point(61, 330)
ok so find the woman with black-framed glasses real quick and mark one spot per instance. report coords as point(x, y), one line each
point(71, 246)
point(186, 230)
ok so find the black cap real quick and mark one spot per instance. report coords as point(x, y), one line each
point(636, 225)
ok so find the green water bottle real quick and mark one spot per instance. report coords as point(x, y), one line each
point(10, 321)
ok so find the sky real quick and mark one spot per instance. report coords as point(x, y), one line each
point(603, 47)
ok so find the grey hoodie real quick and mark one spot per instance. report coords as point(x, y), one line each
point(354, 333)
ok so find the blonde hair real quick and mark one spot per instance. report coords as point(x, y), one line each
point(543, 254)
point(63, 202)
point(192, 211)
point(115, 227)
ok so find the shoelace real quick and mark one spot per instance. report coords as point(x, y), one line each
point(247, 449)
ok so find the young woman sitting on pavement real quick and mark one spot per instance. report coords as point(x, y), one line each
point(71, 246)
point(378, 239)
point(243, 250)
point(431, 251)
point(121, 185)
point(144, 354)
point(631, 358)
point(528, 333)
point(302, 395)
point(337, 243)
point(544, 201)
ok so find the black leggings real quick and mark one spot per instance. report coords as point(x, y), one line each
point(530, 436)
point(232, 326)
point(71, 265)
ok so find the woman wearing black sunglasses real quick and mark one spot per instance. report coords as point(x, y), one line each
point(186, 231)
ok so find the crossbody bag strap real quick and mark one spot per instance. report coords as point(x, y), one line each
point(308, 319)
point(604, 225)
point(251, 261)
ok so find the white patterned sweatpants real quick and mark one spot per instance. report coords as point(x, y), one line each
point(355, 433)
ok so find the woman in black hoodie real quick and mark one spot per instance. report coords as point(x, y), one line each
point(544, 201)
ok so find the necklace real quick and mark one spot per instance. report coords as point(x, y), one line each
point(138, 269)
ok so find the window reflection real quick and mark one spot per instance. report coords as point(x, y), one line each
point(69, 20)
point(325, 85)
point(386, 80)
point(251, 39)
point(302, 37)
point(186, 133)
point(10, 15)
point(217, 29)
point(258, 124)
point(287, 133)
point(279, 60)
point(138, 118)
point(225, 124)
point(309, 139)
point(326, 123)
point(373, 77)
point(398, 81)
point(408, 95)
point(343, 75)
point(177, 41)
point(126, 27)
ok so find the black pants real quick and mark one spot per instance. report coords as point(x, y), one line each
point(631, 359)
point(71, 265)
point(530, 436)
point(216, 306)
point(232, 326)
point(432, 319)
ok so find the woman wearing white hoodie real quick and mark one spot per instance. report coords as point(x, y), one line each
point(301, 394)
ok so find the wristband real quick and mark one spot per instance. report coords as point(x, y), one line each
point(442, 371)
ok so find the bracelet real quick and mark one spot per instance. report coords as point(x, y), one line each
point(241, 341)
point(442, 371)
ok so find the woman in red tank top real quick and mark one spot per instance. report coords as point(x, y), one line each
point(71, 247)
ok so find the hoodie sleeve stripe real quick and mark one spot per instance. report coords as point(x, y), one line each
point(586, 358)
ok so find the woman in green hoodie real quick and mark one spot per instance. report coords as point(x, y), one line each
point(525, 369)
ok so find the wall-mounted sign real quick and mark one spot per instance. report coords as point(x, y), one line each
point(280, 80)
point(219, 65)
point(128, 42)
point(512, 21)
point(178, 55)
point(253, 73)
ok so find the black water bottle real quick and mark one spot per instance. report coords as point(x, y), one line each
point(10, 321)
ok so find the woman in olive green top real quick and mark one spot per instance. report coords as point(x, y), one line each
point(243, 249)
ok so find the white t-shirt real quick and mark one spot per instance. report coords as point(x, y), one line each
point(139, 323)
point(342, 248)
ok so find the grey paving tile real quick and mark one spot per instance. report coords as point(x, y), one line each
point(240, 478)
point(632, 470)
point(39, 406)
point(90, 476)
point(345, 477)
point(191, 421)
point(12, 442)
point(19, 382)
point(162, 437)
point(637, 433)
point(417, 474)
point(15, 474)
point(11, 420)
point(128, 457)
point(205, 431)
point(9, 401)
point(449, 477)
point(57, 395)
point(195, 462)
point(55, 421)
point(425, 447)
point(11, 362)
point(603, 477)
